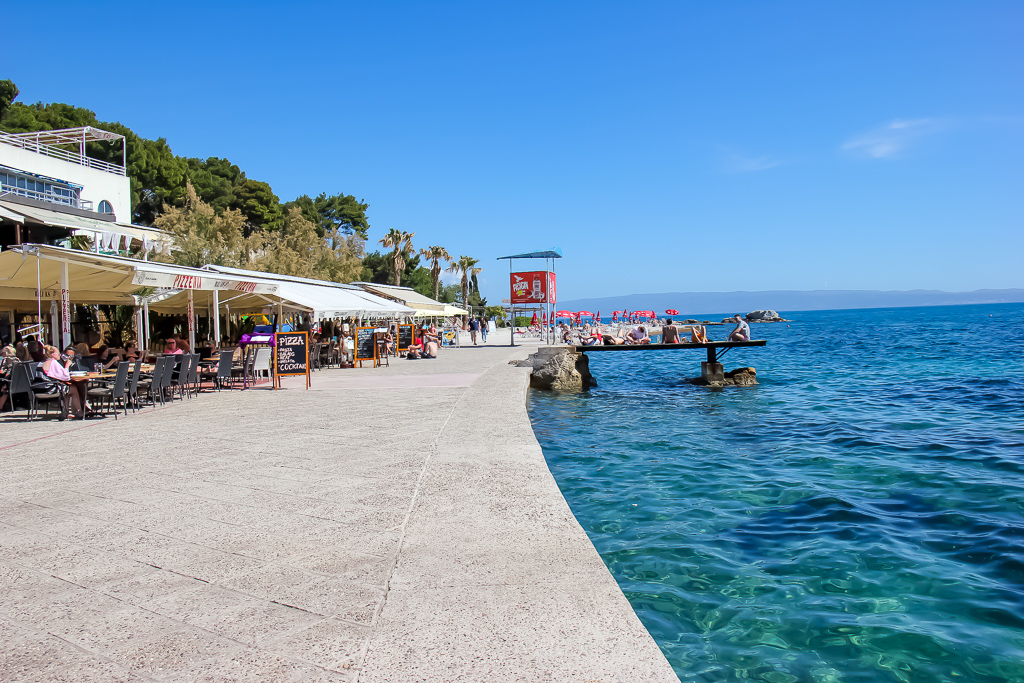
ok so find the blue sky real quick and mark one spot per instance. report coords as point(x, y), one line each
point(676, 146)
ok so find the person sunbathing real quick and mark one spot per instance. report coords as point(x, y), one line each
point(638, 336)
point(699, 334)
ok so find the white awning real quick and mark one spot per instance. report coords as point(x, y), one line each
point(97, 278)
point(324, 299)
point(92, 227)
point(424, 305)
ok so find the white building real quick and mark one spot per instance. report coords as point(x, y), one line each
point(50, 190)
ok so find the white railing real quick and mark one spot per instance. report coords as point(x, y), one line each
point(50, 197)
point(63, 154)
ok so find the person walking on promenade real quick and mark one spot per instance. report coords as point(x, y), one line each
point(483, 329)
point(474, 327)
point(742, 330)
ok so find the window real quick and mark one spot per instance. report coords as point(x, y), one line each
point(106, 207)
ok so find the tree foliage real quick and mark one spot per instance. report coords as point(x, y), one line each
point(400, 242)
point(466, 267)
point(340, 212)
point(435, 255)
point(8, 93)
point(201, 236)
point(297, 249)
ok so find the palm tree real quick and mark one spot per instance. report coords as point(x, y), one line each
point(436, 255)
point(401, 242)
point(465, 266)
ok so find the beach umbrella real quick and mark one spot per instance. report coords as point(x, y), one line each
point(564, 314)
point(672, 311)
point(534, 321)
point(582, 313)
point(598, 316)
point(544, 320)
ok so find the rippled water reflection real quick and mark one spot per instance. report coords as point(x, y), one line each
point(856, 517)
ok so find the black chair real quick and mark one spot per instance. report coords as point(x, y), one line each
point(133, 386)
point(116, 390)
point(151, 385)
point(223, 373)
point(166, 381)
point(25, 379)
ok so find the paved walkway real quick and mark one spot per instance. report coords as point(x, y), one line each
point(391, 524)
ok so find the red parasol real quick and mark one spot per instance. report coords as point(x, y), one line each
point(579, 313)
point(544, 321)
point(598, 316)
point(672, 311)
point(534, 321)
point(564, 314)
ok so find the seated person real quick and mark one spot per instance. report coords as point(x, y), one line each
point(742, 330)
point(389, 339)
point(36, 352)
point(84, 358)
point(638, 336)
point(131, 352)
point(414, 352)
point(430, 349)
point(171, 347)
point(105, 359)
point(670, 333)
point(699, 334)
point(59, 381)
point(182, 344)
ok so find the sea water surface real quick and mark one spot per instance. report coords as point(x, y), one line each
point(859, 516)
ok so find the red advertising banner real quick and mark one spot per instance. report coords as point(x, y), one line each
point(532, 287)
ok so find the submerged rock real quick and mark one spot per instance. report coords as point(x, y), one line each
point(558, 369)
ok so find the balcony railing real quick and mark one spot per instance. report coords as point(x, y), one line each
point(51, 197)
point(63, 154)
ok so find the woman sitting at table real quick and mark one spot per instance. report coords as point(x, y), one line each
point(105, 359)
point(131, 352)
point(56, 379)
point(171, 347)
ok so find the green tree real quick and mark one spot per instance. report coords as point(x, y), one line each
point(340, 212)
point(400, 242)
point(497, 313)
point(465, 266)
point(214, 180)
point(8, 93)
point(259, 205)
point(435, 255)
point(297, 249)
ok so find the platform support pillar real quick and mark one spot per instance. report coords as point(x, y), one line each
point(711, 371)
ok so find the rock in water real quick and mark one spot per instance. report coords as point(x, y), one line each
point(766, 314)
point(559, 373)
point(740, 377)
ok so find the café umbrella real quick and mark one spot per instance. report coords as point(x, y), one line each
point(672, 311)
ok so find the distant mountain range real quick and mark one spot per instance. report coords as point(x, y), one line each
point(696, 304)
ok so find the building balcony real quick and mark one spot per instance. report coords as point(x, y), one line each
point(7, 190)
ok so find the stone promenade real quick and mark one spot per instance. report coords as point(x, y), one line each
point(391, 524)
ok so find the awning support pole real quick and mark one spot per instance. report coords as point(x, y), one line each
point(65, 306)
point(216, 319)
point(191, 320)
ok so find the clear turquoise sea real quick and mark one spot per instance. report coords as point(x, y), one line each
point(858, 517)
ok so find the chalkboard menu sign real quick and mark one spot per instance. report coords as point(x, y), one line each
point(366, 347)
point(291, 355)
point(404, 337)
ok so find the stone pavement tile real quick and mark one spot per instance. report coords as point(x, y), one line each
point(194, 605)
point(328, 643)
point(271, 581)
point(39, 657)
point(366, 570)
point(493, 633)
point(147, 584)
point(214, 566)
point(85, 669)
point(250, 666)
point(255, 622)
point(331, 597)
point(178, 651)
point(85, 566)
